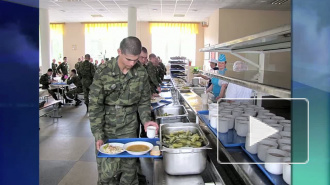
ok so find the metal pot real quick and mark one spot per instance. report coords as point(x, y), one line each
point(187, 160)
point(195, 81)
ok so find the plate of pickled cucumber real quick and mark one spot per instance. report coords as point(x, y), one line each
point(180, 139)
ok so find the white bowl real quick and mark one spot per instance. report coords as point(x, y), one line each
point(274, 137)
point(242, 128)
point(287, 170)
point(283, 142)
point(224, 103)
point(262, 112)
point(250, 112)
point(287, 128)
point(237, 113)
point(287, 148)
point(269, 121)
point(274, 158)
point(253, 149)
point(237, 119)
point(278, 118)
point(138, 143)
point(263, 146)
point(277, 127)
point(269, 115)
point(261, 117)
point(284, 122)
point(223, 124)
point(285, 135)
point(214, 120)
point(231, 121)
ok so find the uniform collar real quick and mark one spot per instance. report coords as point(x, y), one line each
point(116, 70)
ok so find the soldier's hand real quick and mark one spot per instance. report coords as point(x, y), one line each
point(155, 95)
point(151, 123)
point(99, 143)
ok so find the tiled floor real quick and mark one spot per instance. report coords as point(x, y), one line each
point(67, 149)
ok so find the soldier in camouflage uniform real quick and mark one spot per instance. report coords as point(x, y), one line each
point(73, 94)
point(120, 89)
point(143, 58)
point(152, 72)
point(162, 69)
point(54, 66)
point(86, 73)
point(76, 66)
point(96, 64)
point(63, 68)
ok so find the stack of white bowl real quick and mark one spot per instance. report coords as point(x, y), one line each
point(275, 151)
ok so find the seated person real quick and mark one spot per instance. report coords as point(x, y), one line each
point(74, 79)
point(45, 80)
point(236, 91)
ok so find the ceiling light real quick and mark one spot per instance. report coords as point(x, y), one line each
point(194, 10)
point(98, 15)
point(179, 15)
point(154, 9)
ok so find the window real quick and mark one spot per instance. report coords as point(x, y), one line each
point(56, 42)
point(174, 39)
point(103, 39)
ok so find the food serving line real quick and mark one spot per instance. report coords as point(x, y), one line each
point(182, 115)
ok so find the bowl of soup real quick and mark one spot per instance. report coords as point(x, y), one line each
point(138, 147)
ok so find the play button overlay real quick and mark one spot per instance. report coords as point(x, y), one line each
point(259, 131)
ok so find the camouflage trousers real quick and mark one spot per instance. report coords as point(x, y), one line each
point(74, 92)
point(86, 94)
point(118, 171)
point(86, 84)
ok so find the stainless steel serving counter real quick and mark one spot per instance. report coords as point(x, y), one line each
point(215, 173)
point(241, 173)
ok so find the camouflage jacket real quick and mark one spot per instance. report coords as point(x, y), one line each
point(77, 65)
point(54, 68)
point(116, 98)
point(63, 68)
point(86, 70)
point(75, 80)
point(153, 77)
point(45, 81)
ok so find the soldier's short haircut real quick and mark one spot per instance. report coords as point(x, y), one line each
point(87, 57)
point(74, 71)
point(144, 50)
point(152, 56)
point(49, 70)
point(64, 58)
point(131, 45)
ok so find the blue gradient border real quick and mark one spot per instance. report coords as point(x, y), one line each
point(19, 112)
point(311, 80)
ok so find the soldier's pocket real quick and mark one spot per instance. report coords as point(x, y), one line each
point(135, 89)
point(110, 118)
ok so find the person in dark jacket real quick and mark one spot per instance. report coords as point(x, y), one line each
point(73, 94)
point(63, 68)
point(45, 80)
point(54, 68)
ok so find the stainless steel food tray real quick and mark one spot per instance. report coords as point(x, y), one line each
point(175, 111)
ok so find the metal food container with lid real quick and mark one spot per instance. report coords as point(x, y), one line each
point(185, 160)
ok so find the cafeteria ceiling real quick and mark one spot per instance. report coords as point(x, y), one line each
point(147, 10)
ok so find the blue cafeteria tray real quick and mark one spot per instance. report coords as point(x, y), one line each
point(127, 155)
point(275, 179)
point(161, 103)
point(229, 139)
point(59, 83)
